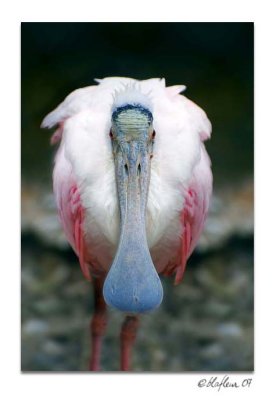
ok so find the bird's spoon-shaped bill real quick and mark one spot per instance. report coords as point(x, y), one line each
point(132, 284)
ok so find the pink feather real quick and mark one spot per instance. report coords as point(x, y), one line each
point(195, 211)
point(70, 210)
point(193, 215)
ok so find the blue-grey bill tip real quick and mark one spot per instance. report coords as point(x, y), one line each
point(131, 290)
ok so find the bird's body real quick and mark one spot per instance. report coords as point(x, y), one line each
point(178, 186)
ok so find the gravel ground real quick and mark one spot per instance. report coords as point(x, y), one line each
point(204, 324)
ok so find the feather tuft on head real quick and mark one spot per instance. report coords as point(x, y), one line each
point(131, 94)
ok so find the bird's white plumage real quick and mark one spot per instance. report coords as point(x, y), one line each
point(180, 128)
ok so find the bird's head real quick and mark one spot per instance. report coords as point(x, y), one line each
point(132, 284)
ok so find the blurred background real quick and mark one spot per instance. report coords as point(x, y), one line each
point(205, 323)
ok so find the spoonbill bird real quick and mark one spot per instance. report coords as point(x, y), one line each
point(132, 182)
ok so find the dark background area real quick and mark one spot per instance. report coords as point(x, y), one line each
point(214, 60)
point(207, 322)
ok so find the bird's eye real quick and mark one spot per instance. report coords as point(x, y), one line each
point(153, 134)
point(111, 134)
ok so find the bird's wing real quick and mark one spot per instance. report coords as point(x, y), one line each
point(199, 118)
point(194, 213)
point(198, 193)
point(70, 208)
point(75, 102)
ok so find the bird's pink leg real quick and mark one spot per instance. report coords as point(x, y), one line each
point(98, 325)
point(128, 336)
